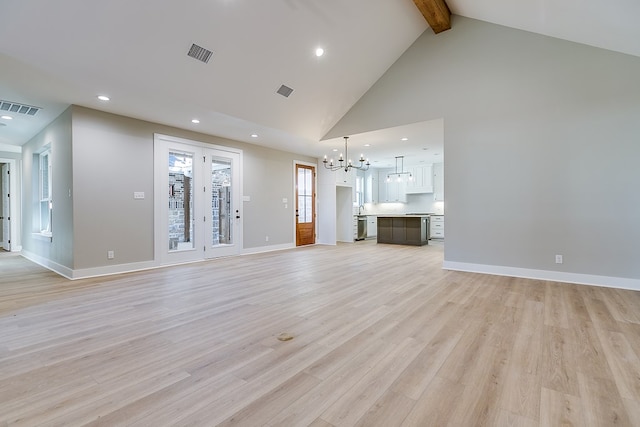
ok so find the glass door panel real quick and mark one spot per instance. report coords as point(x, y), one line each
point(305, 196)
point(181, 225)
point(221, 202)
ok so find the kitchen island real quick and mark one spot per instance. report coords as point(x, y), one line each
point(403, 229)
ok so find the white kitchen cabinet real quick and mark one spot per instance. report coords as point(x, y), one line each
point(371, 186)
point(438, 182)
point(355, 228)
point(372, 226)
point(392, 191)
point(436, 230)
point(422, 180)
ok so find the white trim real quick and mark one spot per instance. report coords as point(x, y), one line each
point(44, 237)
point(272, 248)
point(13, 203)
point(47, 263)
point(107, 270)
point(161, 254)
point(556, 276)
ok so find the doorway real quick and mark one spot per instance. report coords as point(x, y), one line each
point(9, 201)
point(305, 204)
point(198, 194)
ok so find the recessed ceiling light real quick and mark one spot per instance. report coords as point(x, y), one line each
point(404, 139)
point(254, 135)
point(103, 98)
point(367, 145)
point(319, 51)
point(7, 117)
point(335, 149)
point(196, 121)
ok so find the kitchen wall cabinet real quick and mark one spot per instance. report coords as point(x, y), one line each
point(438, 182)
point(422, 180)
point(392, 191)
point(371, 186)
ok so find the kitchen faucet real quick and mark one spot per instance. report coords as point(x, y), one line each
point(360, 209)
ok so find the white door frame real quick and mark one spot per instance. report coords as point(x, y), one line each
point(162, 145)
point(13, 208)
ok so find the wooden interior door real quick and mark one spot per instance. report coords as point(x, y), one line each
point(305, 205)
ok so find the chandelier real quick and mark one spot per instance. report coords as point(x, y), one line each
point(398, 175)
point(346, 165)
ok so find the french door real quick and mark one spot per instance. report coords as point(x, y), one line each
point(198, 200)
point(305, 205)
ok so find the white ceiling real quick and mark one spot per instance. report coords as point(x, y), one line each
point(53, 54)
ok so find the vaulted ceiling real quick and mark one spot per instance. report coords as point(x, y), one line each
point(53, 54)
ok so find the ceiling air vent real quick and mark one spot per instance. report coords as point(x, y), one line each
point(200, 53)
point(284, 91)
point(14, 107)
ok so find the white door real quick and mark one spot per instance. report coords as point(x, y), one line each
point(223, 209)
point(197, 195)
point(6, 211)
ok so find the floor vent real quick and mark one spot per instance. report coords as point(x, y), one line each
point(284, 91)
point(14, 107)
point(200, 53)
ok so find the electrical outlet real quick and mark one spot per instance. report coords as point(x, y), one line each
point(266, 238)
point(558, 259)
point(111, 255)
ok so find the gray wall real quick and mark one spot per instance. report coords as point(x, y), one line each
point(113, 157)
point(59, 249)
point(536, 130)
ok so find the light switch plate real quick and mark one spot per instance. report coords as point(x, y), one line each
point(138, 195)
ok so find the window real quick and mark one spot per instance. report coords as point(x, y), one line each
point(45, 205)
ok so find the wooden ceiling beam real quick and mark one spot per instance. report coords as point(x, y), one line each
point(437, 14)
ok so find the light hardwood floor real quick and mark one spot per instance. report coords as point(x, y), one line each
point(382, 337)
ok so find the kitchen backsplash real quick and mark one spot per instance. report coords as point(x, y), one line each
point(419, 203)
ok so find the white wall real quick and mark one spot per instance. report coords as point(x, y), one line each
point(327, 206)
point(534, 128)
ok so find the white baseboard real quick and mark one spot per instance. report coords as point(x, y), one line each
point(85, 273)
point(555, 276)
point(107, 270)
point(47, 263)
point(271, 248)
